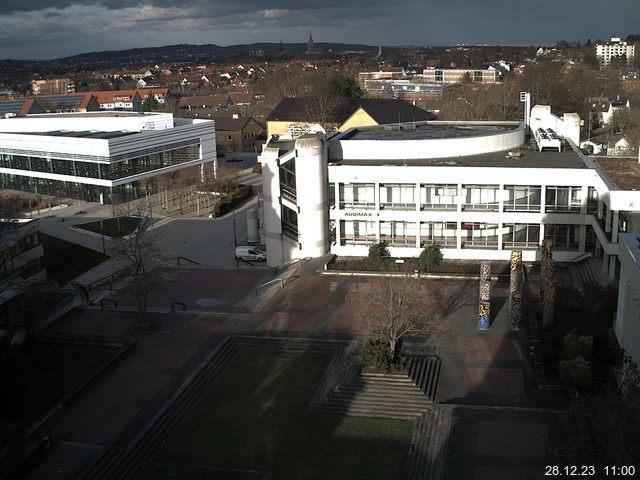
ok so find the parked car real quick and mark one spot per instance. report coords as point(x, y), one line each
point(249, 253)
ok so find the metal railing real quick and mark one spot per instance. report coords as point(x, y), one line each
point(269, 283)
point(113, 302)
point(180, 304)
point(582, 256)
point(107, 279)
point(186, 260)
point(282, 267)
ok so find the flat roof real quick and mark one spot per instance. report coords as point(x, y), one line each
point(624, 173)
point(83, 134)
point(528, 159)
point(101, 114)
point(429, 130)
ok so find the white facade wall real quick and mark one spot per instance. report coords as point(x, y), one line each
point(568, 126)
point(103, 150)
point(311, 175)
point(627, 322)
point(80, 122)
point(426, 148)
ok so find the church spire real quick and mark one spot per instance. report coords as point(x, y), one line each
point(310, 43)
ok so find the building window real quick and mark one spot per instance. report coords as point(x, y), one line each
point(520, 235)
point(522, 198)
point(592, 201)
point(357, 232)
point(357, 195)
point(479, 235)
point(564, 237)
point(398, 234)
point(288, 180)
point(562, 199)
point(290, 223)
point(441, 233)
point(480, 197)
point(438, 197)
point(397, 196)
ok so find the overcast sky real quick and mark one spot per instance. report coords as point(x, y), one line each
point(58, 28)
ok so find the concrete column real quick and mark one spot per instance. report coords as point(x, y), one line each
point(605, 262)
point(311, 181)
point(607, 220)
point(459, 235)
point(613, 260)
point(582, 238)
point(500, 207)
point(336, 195)
point(541, 234)
point(543, 198)
point(376, 196)
point(500, 226)
point(614, 226)
point(460, 199)
point(584, 198)
point(337, 232)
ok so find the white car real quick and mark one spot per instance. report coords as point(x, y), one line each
point(250, 254)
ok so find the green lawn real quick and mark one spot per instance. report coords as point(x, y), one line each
point(65, 261)
point(254, 417)
point(113, 227)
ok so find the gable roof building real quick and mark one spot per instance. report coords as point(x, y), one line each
point(296, 114)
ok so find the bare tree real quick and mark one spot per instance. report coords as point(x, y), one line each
point(394, 307)
point(140, 254)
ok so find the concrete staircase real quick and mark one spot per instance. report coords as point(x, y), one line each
point(427, 448)
point(124, 463)
point(386, 396)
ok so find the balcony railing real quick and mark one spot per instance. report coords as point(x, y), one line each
point(289, 193)
point(398, 242)
point(486, 206)
point(449, 242)
point(438, 206)
point(358, 205)
point(360, 240)
point(480, 243)
point(397, 206)
point(509, 244)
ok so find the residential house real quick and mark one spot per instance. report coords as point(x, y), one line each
point(458, 75)
point(619, 146)
point(53, 86)
point(238, 135)
point(79, 102)
point(293, 116)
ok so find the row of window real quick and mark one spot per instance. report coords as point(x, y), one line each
point(473, 234)
point(473, 197)
point(105, 171)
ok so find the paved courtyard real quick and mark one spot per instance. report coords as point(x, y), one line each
point(499, 425)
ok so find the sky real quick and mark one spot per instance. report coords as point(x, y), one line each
point(45, 29)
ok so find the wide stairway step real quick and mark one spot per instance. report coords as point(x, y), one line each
point(387, 396)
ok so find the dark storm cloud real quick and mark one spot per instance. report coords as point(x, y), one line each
point(54, 28)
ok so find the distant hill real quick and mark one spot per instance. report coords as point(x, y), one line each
point(170, 54)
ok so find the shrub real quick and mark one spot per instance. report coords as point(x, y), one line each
point(431, 256)
point(576, 372)
point(376, 253)
point(578, 346)
point(376, 356)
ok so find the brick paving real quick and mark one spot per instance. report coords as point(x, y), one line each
point(478, 368)
point(199, 289)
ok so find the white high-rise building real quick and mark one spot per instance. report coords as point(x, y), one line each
point(614, 48)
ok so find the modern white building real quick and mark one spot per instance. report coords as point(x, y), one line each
point(615, 48)
point(100, 156)
point(478, 189)
point(627, 324)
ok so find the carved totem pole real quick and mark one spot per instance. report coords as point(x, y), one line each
point(515, 290)
point(547, 283)
point(484, 307)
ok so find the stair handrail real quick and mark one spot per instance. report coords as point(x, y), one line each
point(582, 256)
point(186, 259)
